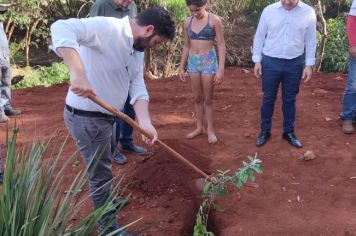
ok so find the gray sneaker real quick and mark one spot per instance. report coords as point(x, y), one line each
point(3, 117)
point(10, 111)
point(120, 158)
point(347, 127)
point(134, 148)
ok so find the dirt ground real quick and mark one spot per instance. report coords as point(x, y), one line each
point(293, 196)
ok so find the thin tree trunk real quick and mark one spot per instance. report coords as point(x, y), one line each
point(324, 34)
point(28, 39)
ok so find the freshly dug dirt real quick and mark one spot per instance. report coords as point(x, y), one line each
point(291, 197)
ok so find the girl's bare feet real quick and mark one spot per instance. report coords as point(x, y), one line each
point(212, 138)
point(195, 133)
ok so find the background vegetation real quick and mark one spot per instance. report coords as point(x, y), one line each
point(27, 26)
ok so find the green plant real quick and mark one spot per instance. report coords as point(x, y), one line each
point(16, 54)
point(218, 188)
point(44, 76)
point(336, 50)
point(34, 200)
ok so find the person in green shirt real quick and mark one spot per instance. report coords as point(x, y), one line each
point(113, 8)
point(124, 132)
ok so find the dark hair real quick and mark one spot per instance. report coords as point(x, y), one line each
point(198, 3)
point(160, 19)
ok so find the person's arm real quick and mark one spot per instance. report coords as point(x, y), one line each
point(185, 52)
point(310, 47)
point(258, 43)
point(140, 99)
point(221, 50)
point(78, 81)
point(144, 120)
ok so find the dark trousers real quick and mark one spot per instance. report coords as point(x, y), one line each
point(93, 137)
point(124, 132)
point(287, 72)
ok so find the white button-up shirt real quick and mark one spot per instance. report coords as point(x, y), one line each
point(112, 67)
point(286, 34)
point(353, 8)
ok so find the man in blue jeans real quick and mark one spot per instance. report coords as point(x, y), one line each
point(124, 132)
point(285, 32)
point(349, 102)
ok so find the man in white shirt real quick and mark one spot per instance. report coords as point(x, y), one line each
point(348, 113)
point(123, 131)
point(108, 63)
point(286, 31)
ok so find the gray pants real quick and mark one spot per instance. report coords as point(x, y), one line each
point(5, 80)
point(93, 137)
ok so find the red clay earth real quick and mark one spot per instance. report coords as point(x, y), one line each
point(293, 196)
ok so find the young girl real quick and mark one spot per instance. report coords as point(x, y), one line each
point(200, 32)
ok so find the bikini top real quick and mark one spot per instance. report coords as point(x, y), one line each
point(207, 33)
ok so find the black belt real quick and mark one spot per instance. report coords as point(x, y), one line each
point(88, 113)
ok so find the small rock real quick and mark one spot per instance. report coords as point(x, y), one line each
point(299, 200)
point(252, 185)
point(328, 119)
point(154, 204)
point(284, 189)
point(245, 71)
point(309, 155)
point(239, 196)
point(320, 91)
point(247, 135)
point(141, 201)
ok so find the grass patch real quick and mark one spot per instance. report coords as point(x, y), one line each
point(42, 76)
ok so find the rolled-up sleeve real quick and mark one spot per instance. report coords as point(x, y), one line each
point(90, 32)
point(138, 89)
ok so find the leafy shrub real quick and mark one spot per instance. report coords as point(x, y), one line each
point(336, 50)
point(44, 76)
point(34, 201)
point(216, 186)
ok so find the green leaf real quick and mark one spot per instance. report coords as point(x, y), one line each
point(207, 188)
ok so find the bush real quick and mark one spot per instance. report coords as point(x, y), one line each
point(35, 202)
point(336, 51)
point(44, 76)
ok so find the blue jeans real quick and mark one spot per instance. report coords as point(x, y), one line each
point(349, 101)
point(287, 72)
point(124, 132)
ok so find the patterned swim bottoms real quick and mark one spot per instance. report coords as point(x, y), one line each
point(205, 63)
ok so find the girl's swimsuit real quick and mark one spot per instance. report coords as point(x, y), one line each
point(202, 63)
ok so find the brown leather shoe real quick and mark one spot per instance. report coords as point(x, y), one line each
point(13, 112)
point(347, 127)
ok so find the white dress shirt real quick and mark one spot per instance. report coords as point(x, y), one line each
point(353, 8)
point(112, 67)
point(286, 34)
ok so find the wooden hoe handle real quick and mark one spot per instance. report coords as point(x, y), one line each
point(131, 122)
